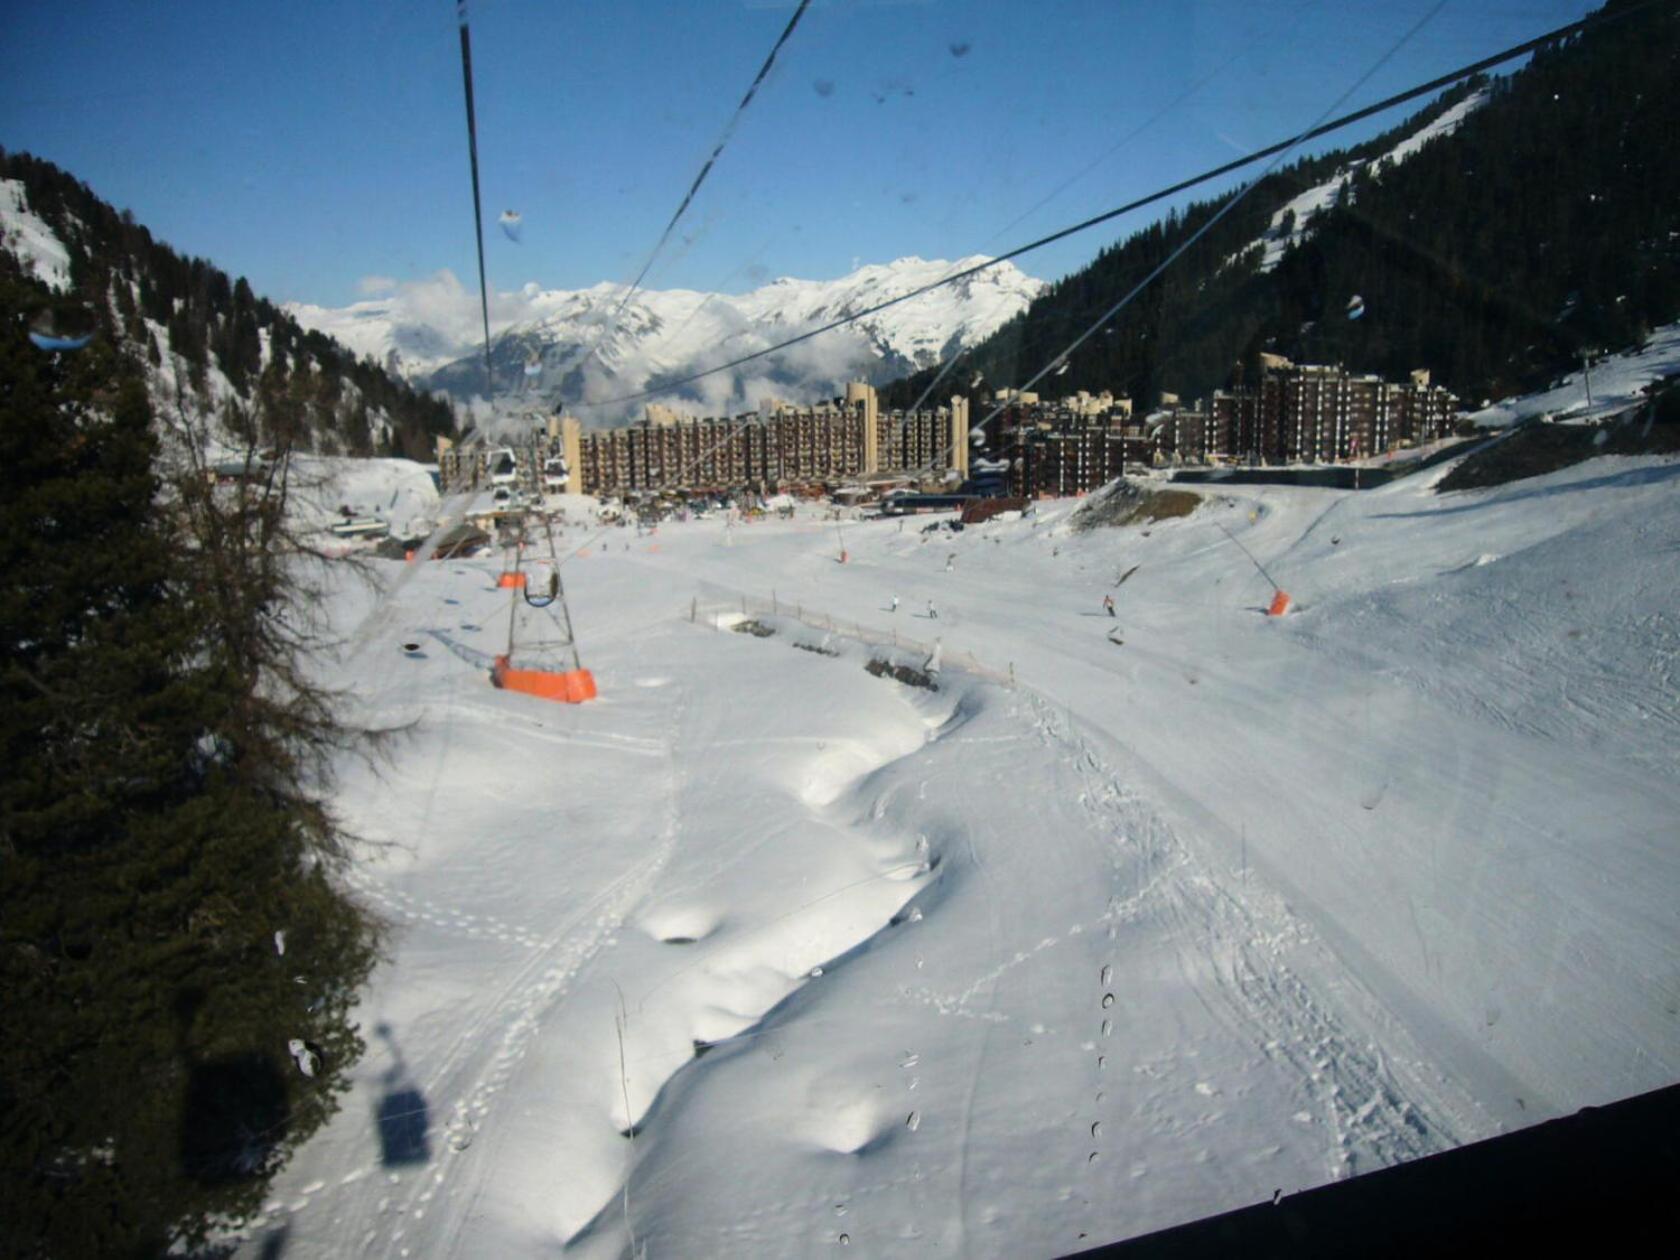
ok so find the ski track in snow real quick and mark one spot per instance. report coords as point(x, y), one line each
point(559, 962)
point(1240, 947)
point(510, 1022)
point(1256, 995)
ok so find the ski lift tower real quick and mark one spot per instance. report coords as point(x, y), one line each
point(542, 655)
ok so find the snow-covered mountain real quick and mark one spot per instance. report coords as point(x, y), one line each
point(202, 338)
point(591, 345)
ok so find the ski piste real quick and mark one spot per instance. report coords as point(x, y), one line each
point(1199, 919)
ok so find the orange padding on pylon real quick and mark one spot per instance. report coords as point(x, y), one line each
point(511, 579)
point(573, 686)
point(1280, 604)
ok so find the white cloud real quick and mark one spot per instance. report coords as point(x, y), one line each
point(373, 286)
point(440, 303)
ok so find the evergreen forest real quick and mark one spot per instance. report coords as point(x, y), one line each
point(1544, 229)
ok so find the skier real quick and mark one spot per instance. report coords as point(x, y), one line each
point(933, 613)
point(894, 607)
point(950, 562)
point(1108, 604)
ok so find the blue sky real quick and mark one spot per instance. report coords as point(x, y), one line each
point(310, 146)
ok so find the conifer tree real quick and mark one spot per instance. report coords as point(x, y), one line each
point(168, 917)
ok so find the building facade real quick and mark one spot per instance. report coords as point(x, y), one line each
point(1065, 447)
point(782, 446)
point(1297, 413)
point(1316, 414)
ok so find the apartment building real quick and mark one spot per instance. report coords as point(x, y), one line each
point(779, 446)
point(1314, 413)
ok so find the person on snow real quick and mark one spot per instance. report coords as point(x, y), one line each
point(1108, 605)
point(950, 562)
point(933, 613)
point(894, 607)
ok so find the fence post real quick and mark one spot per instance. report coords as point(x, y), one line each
point(1011, 673)
point(693, 610)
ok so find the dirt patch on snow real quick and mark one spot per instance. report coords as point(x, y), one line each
point(1127, 503)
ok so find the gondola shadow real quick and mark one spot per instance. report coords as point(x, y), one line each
point(401, 1115)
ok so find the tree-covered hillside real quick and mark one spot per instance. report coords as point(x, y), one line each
point(287, 384)
point(170, 933)
point(1547, 226)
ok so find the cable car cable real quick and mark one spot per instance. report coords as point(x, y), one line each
point(611, 322)
point(1184, 246)
point(1282, 146)
point(478, 210)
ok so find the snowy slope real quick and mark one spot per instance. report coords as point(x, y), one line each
point(1292, 222)
point(398, 491)
point(584, 341)
point(1616, 382)
point(760, 955)
point(25, 235)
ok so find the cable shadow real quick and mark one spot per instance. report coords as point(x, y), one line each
point(465, 651)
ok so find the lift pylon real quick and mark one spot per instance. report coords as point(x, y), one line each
point(542, 655)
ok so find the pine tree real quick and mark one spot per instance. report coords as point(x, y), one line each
point(156, 830)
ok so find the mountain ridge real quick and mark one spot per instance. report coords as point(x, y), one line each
point(591, 344)
point(204, 341)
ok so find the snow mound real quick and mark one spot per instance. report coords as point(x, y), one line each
point(398, 491)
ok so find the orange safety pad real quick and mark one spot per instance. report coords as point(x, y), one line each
point(574, 686)
point(1280, 604)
